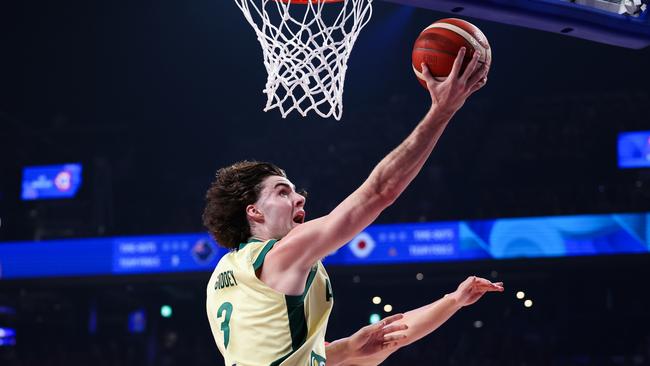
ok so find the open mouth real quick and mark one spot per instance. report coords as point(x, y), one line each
point(299, 218)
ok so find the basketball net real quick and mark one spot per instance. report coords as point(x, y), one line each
point(306, 46)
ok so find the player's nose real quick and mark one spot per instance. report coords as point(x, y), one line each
point(300, 200)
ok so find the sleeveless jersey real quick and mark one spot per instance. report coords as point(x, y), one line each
point(254, 324)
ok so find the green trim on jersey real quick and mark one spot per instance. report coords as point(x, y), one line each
point(297, 320)
point(251, 240)
point(260, 258)
point(295, 303)
point(294, 300)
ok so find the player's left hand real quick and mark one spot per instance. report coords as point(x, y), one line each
point(377, 337)
point(473, 288)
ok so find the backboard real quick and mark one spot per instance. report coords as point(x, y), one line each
point(623, 23)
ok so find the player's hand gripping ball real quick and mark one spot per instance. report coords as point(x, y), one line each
point(439, 43)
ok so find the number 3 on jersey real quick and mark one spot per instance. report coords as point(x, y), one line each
point(225, 325)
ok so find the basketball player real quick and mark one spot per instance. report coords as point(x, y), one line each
point(269, 300)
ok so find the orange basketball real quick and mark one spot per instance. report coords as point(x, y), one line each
point(439, 43)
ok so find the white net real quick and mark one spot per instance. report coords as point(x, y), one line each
point(306, 48)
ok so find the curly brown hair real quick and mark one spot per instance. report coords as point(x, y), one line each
point(234, 188)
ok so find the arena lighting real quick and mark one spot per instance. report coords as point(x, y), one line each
point(388, 308)
point(633, 149)
point(374, 318)
point(166, 311)
point(7, 332)
point(520, 295)
point(528, 303)
point(376, 300)
point(8, 342)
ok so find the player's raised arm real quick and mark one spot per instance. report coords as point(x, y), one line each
point(313, 240)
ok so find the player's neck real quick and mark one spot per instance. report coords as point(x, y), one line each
point(260, 233)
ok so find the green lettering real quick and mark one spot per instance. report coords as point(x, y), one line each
point(226, 308)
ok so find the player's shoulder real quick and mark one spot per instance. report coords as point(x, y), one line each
point(252, 253)
point(240, 263)
point(239, 267)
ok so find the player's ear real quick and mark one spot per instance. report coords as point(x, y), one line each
point(252, 213)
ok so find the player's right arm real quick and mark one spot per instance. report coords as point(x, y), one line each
point(313, 240)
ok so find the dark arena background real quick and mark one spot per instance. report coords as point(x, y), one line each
point(541, 180)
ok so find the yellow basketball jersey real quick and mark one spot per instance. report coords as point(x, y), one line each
point(254, 324)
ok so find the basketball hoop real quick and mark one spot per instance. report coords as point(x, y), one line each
point(306, 46)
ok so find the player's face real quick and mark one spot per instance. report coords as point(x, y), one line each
point(281, 206)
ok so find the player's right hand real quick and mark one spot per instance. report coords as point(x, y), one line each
point(377, 337)
point(449, 95)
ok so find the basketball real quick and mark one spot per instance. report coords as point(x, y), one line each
point(439, 43)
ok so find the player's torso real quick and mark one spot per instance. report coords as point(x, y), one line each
point(255, 325)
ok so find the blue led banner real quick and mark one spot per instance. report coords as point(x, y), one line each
point(553, 236)
point(536, 237)
point(634, 149)
point(106, 256)
point(51, 181)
